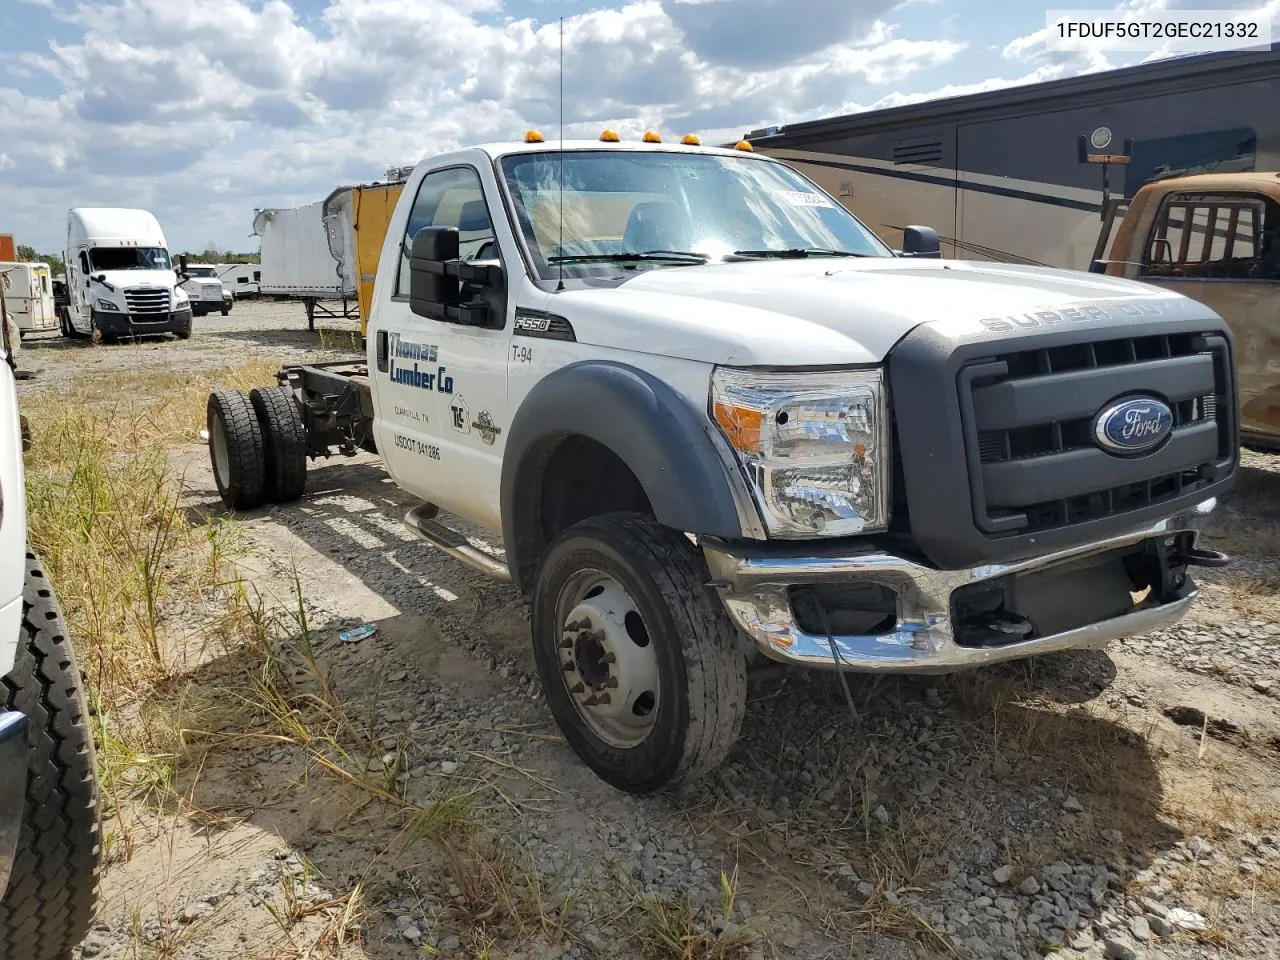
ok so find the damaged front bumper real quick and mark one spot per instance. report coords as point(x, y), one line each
point(876, 611)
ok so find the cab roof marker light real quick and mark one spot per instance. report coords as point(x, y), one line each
point(691, 140)
point(651, 136)
point(533, 136)
point(744, 145)
point(610, 136)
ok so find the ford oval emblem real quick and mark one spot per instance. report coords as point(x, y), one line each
point(1133, 425)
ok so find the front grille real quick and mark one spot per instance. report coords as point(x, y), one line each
point(143, 300)
point(1028, 418)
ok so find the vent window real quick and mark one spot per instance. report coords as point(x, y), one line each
point(918, 151)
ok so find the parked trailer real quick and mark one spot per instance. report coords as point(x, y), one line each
point(297, 263)
point(997, 174)
point(356, 219)
point(29, 296)
point(242, 279)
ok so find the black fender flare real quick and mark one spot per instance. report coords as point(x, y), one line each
point(668, 445)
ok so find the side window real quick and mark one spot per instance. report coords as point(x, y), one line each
point(1213, 236)
point(448, 198)
point(257, 276)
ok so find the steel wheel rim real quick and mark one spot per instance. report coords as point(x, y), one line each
point(221, 456)
point(607, 659)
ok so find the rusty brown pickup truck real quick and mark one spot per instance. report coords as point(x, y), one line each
point(1214, 238)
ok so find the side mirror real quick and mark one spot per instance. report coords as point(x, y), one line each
point(182, 267)
point(443, 287)
point(921, 242)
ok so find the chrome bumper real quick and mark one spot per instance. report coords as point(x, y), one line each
point(754, 587)
point(13, 787)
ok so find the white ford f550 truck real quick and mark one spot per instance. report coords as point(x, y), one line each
point(712, 416)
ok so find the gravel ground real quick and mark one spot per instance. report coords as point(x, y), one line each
point(1117, 804)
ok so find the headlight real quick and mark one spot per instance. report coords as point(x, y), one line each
point(179, 297)
point(107, 305)
point(815, 447)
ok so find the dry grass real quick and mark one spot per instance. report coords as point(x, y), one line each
point(670, 928)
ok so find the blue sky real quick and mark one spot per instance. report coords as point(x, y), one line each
point(202, 110)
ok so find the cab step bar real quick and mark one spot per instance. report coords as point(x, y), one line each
point(422, 521)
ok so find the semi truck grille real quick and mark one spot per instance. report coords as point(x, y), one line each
point(1029, 417)
point(143, 300)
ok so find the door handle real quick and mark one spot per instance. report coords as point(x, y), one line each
point(382, 351)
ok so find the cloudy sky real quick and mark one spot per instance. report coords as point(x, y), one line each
point(202, 110)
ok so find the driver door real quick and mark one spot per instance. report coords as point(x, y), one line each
point(448, 421)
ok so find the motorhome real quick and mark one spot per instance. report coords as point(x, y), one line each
point(120, 280)
point(242, 279)
point(28, 296)
point(999, 174)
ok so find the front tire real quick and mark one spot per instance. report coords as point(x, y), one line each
point(53, 888)
point(640, 664)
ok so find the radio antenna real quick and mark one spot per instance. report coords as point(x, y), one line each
point(560, 286)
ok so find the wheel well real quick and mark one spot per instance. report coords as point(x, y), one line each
point(576, 478)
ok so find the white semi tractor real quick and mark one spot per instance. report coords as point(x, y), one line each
point(120, 279)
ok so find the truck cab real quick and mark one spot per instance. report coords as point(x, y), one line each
point(711, 417)
point(205, 288)
point(120, 279)
point(1216, 239)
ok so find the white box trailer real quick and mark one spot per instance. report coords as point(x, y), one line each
point(28, 296)
point(297, 262)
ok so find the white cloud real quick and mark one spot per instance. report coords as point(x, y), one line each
point(203, 111)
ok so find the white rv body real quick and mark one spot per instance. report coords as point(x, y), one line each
point(120, 279)
point(28, 296)
point(242, 279)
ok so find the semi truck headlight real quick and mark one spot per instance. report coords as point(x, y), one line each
point(108, 305)
point(815, 447)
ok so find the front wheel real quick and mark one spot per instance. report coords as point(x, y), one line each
point(53, 887)
point(640, 665)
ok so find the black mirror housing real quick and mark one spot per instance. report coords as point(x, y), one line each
point(920, 241)
point(182, 266)
point(438, 280)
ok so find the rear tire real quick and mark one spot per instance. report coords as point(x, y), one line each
point(696, 665)
point(236, 449)
point(285, 442)
point(53, 888)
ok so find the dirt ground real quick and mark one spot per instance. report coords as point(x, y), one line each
point(423, 803)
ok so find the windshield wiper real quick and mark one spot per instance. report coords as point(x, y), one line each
point(648, 256)
point(798, 252)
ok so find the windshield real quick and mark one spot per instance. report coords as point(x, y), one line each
point(629, 202)
point(129, 258)
point(201, 272)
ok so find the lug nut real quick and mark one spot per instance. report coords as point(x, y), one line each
point(566, 643)
point(603, 698)
point(577, 688)
point(609, 658)
point(610, 682)
point(591, 701)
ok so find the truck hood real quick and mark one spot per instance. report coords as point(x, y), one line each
point(124, 279)
point(827, 311)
